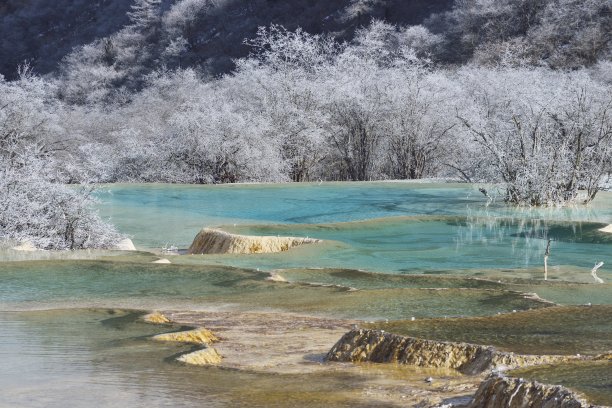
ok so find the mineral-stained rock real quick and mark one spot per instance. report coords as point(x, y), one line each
point(214, 241)
point(602, 357)
point(498, 391)
point(380, 347)
point(196, 336)
point(203, 357)
point(156, 318)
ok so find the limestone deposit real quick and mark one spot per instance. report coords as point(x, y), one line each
point(203, 357)
point(380, 347)
point(155, 318)
point(196, 336)
point(125, 245)
point(503, 392)
point(215, 241)
point(607, 229)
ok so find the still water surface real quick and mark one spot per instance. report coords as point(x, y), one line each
point(444, 250)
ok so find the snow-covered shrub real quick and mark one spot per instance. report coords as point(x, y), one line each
point(49, 215)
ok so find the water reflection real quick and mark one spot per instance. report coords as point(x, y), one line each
point(103, 358)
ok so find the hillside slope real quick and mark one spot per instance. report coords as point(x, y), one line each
point(44, 32)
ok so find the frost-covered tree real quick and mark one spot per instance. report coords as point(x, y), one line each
point(49, 215)
point(545, 135)
point(145, 13)
point(34, 205)
point(419, 138)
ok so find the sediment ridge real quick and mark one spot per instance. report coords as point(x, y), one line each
point(498, 391)
point(380, 347)
point(215, 241)
point(195, 336)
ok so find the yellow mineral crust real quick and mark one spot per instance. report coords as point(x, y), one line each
point(196, 336)
point(215, 241)
point(156, 318)
point(203, 357)
point(380, 347)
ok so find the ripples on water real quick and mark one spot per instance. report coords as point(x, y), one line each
point(433, 239)
point(77, 358)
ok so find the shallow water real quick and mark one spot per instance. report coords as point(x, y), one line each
point(60, 284)
point(563, 330)
point(160, 213)
point(389, 227)
point(445, 251)
point(593, 379)
point(76, 358)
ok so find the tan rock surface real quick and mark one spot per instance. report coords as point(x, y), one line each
point(380, 347)
point(505, 392)
point(206, 356)
point(155, 318)
point(290, 344)
point(215, 241)
point(196, 336)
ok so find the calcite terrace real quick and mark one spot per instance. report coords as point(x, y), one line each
point(380, 347)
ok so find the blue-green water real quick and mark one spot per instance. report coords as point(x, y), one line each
point(392, 251)
point(159, 213)
point(408, 228)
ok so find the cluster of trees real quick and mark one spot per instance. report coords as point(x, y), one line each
point(306, 107)
point(35, 204)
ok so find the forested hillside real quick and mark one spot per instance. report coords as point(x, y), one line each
point(44, 32)
point(516, 92)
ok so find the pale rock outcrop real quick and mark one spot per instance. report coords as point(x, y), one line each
point(606, 229)
point(125, 245)
point(215, 241)
point(155, 318)
point(204, 357)
point(498, 391)
point(162, 261)
point(275, 277)
point(380, 347)
point(25, 246)
point(195, 336)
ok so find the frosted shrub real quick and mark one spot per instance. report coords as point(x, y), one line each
point(546, 135)
point(49, 215)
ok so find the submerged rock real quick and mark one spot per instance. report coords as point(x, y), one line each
point(498, 391)
point(214, 241)
point(196, 336)
point(156, 318)
point(380, 347)
point(204, 357)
